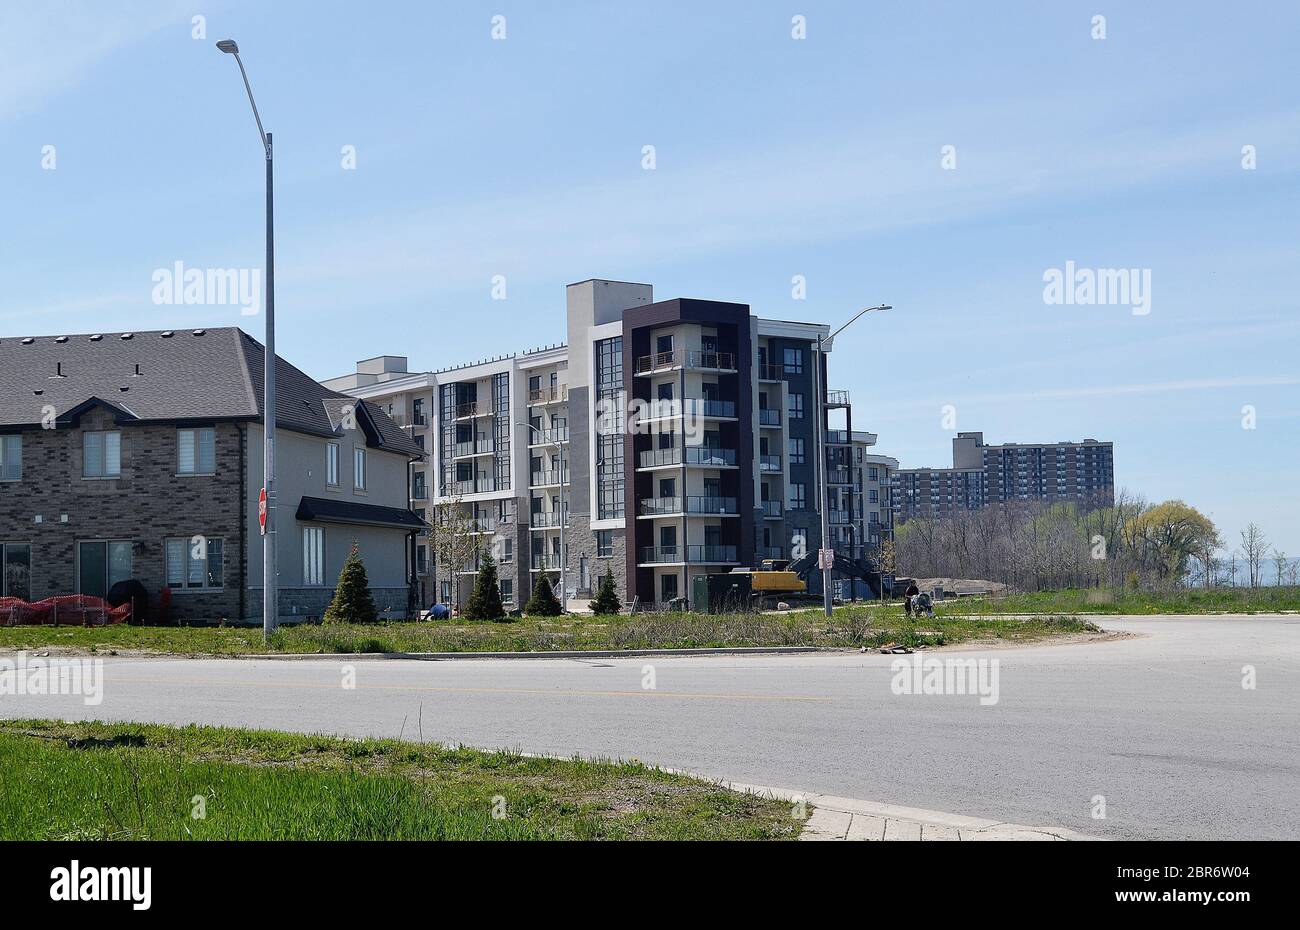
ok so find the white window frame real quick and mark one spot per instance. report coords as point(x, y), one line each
point(197, 436)
point(11, 452)
point(105, 459)
point(333, 457)
point(313, 556)
point(359, 468)
point(187, 554)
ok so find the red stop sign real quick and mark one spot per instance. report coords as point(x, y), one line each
point(261, 510)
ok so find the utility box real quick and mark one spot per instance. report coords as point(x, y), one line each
point(721, 594)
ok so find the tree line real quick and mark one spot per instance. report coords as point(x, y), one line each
point(1035, 546)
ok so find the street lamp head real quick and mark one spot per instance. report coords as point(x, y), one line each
point(228, 46)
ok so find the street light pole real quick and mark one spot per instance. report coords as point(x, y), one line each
point(270, 581)
point(823, 491)
point(564, 514)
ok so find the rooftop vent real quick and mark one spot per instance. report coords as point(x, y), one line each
point(39, 391)
point(167, 334)
point(198, 332)
point(124, 388)
point(61, 339)
point(28, 341)
point(126, 335)
point(96, 338)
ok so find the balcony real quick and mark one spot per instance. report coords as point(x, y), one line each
point(555, 394)
point(419, 493)
point(690, 506)
point(773, 510)
point(478, 447)
point(469, 410)
point(481, 486)
point(769, 416)
point(838, 476)
point(768, 552)
point(549, 479)
point(485, 525)
point(548, 519)
point(677, 555)
point(838, 437)
point(700, 407)
point(543, 437)
point(837, 399)
point(694, 359)
point(769, 463)
point(546, 562)
point(771, 373)
point(837, 517)
point(692, 456)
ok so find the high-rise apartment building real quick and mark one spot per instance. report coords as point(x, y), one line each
point(668, 439)
point(1062, 472)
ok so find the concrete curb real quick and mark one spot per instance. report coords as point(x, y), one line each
point(567, 654)
point(837, 818)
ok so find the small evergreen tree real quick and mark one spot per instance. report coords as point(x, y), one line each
point(485, 601)
point(543, 603)
point(352, 601)
point(607, 601)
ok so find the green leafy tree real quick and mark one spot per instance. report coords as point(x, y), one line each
point(543, 603)
point(352, 602)
point(606, 601)
point(485, 601)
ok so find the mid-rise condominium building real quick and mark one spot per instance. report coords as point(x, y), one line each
point(667, 439)
point(1062, 472)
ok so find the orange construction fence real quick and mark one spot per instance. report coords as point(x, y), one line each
point(66, 610)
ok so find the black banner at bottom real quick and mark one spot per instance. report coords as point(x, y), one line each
point(141, 880)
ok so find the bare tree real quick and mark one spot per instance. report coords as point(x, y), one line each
point(1279, 565)
point(455, 546)
point(1254, 546)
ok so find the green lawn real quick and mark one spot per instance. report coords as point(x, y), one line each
point(851, 627)
point(1106, 601)
point(138, 782)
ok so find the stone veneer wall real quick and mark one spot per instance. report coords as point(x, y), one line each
point(580, 540)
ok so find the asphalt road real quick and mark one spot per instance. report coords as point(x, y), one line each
point(1158, 724)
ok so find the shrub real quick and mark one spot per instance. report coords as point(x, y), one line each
point(485, 601)
point(606, 601)
point(543, 603)
point(352, 600)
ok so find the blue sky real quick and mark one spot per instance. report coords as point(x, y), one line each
point(775, 157)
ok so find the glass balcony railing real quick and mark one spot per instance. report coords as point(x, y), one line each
point(769, 416)
point(554, 476)
point(477, 447)
point(702, 456)
point(539, 437)
point(697, 505)
point(548, 519)
point(549, 395)
point(773, 510)
point(697, 359)
point(771, 373)
point(652, 555)
point(769, 463)
point(547, 562)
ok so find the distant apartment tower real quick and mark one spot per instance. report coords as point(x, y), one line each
point(687, 436)
point(1062, 472)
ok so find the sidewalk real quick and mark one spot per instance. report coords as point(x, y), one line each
point(835, 818)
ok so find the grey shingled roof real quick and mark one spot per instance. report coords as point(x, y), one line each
point(213, 374)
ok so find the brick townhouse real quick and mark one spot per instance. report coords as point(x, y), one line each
point(139, 456)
